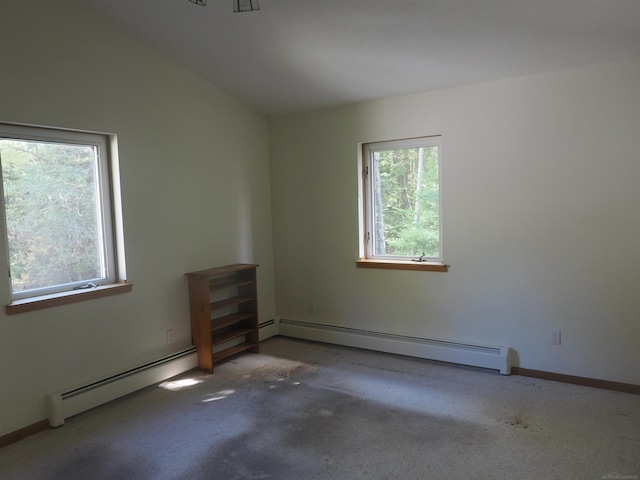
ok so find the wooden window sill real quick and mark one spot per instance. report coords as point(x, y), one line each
point(398, 265)
point(64, 298)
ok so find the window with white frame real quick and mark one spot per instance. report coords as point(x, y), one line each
point(402, 200)
point(58, 189)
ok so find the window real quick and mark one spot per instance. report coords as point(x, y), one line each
point(61, 227)
point(400, 205)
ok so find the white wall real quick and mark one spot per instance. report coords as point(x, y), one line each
point(541, 205)
point(195, 188)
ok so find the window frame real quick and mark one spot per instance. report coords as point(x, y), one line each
point(109, 223)
point(367, 257)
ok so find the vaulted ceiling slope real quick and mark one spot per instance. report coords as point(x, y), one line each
point(300, 55)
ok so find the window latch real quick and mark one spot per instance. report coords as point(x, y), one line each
point(420, 258)
point(83, 287)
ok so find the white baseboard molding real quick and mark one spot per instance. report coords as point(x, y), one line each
point(492, 357)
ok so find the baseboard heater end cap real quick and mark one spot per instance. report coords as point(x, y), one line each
point(54, 410)
point(507, 355)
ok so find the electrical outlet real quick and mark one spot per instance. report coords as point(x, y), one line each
point(170, 338)
point(555, 337)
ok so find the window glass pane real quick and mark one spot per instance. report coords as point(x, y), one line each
point(53, 219)
point(405, 202)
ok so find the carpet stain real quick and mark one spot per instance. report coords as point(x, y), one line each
point(282, 370)
point(238, 459)
point(323, 422)
point(101, 462)
point(309, 431)
point(515, 421)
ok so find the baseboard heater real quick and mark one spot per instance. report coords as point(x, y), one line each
point(267, 329)
point(62, 405)
point(492, 357)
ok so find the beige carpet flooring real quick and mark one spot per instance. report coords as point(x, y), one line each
point(302, 410)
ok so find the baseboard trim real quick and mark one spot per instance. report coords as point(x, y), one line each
point(584, 381)
point(25, 432)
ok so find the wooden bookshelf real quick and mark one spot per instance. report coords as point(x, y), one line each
point(224, 312)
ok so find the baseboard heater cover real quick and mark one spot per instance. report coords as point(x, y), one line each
point(492, 357)
point(62, 405)
point(267, 329)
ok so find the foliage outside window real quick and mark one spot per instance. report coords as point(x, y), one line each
point(402, 209)
point(58, 210)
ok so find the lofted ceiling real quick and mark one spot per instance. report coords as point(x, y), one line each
point(298, 55)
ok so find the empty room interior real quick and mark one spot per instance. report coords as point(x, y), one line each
point(252, 140)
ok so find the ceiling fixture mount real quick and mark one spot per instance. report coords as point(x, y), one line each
point(238, 5)
point(245, 5)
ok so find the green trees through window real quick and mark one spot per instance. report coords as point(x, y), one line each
point(53, 205)
point(403, 198)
